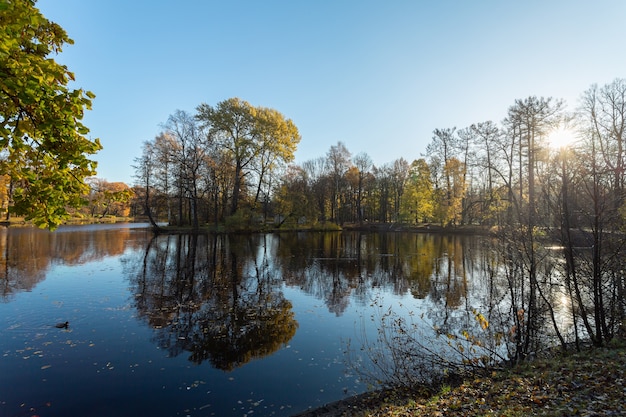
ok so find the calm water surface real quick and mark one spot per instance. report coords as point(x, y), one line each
point(204, 325)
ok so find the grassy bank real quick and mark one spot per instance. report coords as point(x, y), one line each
point(588, 383)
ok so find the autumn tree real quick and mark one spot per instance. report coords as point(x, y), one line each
point(250, 136)
point(277, 139)
point(418, 201)
point(108, 198)
point(45, 151)
point(5, 195)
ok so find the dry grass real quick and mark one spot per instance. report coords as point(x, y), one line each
point(588, 383)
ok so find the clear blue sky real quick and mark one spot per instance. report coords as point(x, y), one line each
point(379, 76)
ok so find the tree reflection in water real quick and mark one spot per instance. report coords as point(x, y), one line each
point(220, 297)
point(28, 253)
point(225, 301)
point(213, 296)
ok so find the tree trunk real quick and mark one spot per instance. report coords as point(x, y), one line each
point(236, 189)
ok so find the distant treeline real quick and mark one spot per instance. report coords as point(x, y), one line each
point(231, 163)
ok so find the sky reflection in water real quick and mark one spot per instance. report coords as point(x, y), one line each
point(147, 318)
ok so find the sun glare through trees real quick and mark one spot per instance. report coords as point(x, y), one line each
point(562, 137)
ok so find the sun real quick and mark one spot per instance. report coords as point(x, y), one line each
point(561, 137)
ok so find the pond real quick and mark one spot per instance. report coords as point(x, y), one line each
point(196, 325)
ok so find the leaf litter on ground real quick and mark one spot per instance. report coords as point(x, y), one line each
point(587, 383)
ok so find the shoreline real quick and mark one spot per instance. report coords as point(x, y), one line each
point(346, 406)
point(562, 383)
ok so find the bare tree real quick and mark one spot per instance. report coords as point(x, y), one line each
point(190, 162)
point(338, 162)
point(316, 174)
point(363, 163)
point(144, 172)
point(603, 121)
point(399, 175)
point(441, 149)
point(530, 119)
